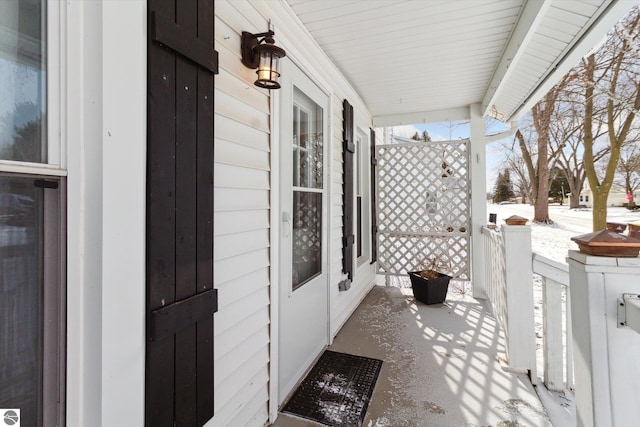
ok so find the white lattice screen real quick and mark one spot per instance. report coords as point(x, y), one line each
point(423, 206)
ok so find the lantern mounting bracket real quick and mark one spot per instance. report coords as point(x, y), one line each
point(249, 41)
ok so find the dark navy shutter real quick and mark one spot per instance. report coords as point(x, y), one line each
point(374, 218)
point(181, 63)
point(348, 150)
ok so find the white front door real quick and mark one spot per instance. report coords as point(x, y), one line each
point(303, 233)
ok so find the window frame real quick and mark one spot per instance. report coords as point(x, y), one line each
point(362, 192)
point(54, 218)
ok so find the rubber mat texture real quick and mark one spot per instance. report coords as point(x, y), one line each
point(337, 390)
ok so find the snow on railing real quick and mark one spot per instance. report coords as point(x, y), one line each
point(557, 338)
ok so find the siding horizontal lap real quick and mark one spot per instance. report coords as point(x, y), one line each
point(241, 221)
point(241, 354)
point(242, 286)
point(230, 245)
point(228, 339)
point(239, 133)
point(237, 387)
point(235, 312)
point(233, 108)
point(240, 199)
point(239, 155)
point(231, 176)
point(230, 268)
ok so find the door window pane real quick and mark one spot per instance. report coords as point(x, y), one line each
point(307, 236)
point(23, 80)
point(21, 303)
point(307, 185)
point(307, 142)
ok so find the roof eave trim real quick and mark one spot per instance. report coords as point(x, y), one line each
point(412, 118)
point(528, 23)
point(615, 11)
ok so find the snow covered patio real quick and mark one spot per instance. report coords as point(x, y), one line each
point(443, 364)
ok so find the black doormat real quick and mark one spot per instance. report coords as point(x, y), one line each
point(337, 390)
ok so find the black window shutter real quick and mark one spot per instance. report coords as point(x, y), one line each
point(181, 63)
point(348, 150)
point(374, 218)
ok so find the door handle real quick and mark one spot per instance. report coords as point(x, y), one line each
point(286, 219)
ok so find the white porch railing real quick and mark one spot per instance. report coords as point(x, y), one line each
point(602, 292)
point(509, 283)
point(557, 342)
point(495, 275)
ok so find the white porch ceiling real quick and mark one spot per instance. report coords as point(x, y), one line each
point(415, 61)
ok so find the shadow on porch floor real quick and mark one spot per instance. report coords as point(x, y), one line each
point(442, 364)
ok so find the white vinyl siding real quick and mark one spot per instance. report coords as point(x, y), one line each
point(244, 181)
point(241, 228)
point(344, 303)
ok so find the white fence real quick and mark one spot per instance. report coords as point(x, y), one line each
point(423, 207)
point(509, 283)
point(557, 342)
point(600, 292)
point(495, 276)
point(508, 279)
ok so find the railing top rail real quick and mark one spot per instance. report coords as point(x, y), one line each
point(422, 143)
point(487, 230)
point(552, 269)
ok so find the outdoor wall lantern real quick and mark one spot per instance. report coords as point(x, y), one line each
point(259, 51)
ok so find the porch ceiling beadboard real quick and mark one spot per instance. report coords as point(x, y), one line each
point(423, 60)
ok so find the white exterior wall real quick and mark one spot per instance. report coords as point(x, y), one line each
point(104, 122)
point(344, 303)
point(246, 228)
point(103, 132)
point(241, 228)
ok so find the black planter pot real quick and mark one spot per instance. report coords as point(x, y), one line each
point(429, 291)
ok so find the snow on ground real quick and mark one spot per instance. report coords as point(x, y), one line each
point(553, 241)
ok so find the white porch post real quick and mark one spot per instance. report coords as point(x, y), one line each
point(520, 325)
point(607, 373)
point(478, 165)
point(106, 137)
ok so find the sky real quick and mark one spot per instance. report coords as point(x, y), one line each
point(448, 131)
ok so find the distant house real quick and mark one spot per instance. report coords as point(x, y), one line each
point(617, 196)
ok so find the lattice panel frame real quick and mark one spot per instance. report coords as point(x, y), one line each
point(423, 207)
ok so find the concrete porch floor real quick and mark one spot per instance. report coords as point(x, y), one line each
point(442, 364)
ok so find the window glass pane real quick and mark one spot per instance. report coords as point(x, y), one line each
point(296, 146)
point(23, 80)
point(308, 142)
point(21, 291)
point(307, 236)
point(359, 153)
point(360, 232)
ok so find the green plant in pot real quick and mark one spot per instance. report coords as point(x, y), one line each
point(430, 285)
